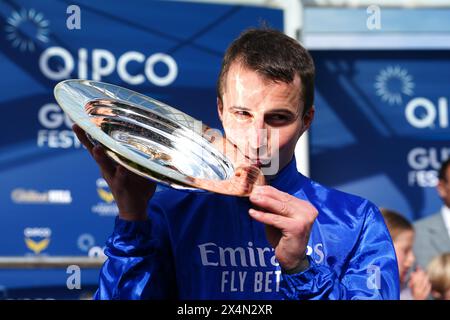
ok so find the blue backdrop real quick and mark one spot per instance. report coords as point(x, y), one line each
point(382, 126)
point(52, 198)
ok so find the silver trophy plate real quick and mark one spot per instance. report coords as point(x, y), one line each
point(153, 139)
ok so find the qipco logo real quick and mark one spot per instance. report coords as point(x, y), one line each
point(423, 113)
point(104, 63)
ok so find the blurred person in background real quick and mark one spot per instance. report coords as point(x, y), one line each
point(433, 232)
point(417, 286)
point(439, 273)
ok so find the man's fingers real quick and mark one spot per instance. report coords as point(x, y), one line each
point(122, 175)
point(81, 135)
point(276, 201)
point(271, 205)
point(271, 192)
point(271, 219)
point(107, 166)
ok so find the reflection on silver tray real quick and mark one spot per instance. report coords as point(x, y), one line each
point(151, 138)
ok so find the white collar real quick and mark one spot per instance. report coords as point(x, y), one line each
point(446, 216)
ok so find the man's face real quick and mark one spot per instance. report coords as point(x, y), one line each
point(444, 188)
point(262, 118)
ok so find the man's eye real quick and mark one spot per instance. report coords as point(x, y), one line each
point(277, 118)
point(242, 114)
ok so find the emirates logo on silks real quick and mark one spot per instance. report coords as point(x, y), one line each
point(37, 239)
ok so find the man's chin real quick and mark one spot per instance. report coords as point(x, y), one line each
point(260, 163)
point(263, 164)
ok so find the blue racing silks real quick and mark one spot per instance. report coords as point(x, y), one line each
point(198, 245)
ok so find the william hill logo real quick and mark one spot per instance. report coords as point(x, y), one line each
point(106, 206)
point(29, 196)
point(37, 239)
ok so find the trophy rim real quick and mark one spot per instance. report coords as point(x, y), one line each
point(73, 104)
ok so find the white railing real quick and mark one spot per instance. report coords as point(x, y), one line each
point(382, 3)
point(50, 262)
point(336, 3)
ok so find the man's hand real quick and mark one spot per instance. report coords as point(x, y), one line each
point(420, 284)
point(131, 192)
point(288, 223)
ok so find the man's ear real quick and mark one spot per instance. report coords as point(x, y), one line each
point(308, 118)
point(441, 189)
point(220, 108)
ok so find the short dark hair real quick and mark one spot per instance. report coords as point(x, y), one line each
point(443, 169)
point(275, 56)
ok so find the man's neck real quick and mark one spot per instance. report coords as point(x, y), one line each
point(271, 177)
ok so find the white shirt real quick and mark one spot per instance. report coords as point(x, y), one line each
point(446, 216)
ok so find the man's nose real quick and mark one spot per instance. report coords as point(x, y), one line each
point(257, 134)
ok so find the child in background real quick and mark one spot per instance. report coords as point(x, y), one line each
point(402, 233)
point(439, 274)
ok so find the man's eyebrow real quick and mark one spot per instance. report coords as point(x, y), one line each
point(283, 110)
point(280, 110)
point(240, 108)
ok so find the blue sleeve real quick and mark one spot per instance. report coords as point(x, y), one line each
point(371, 271)
point(139, 262)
